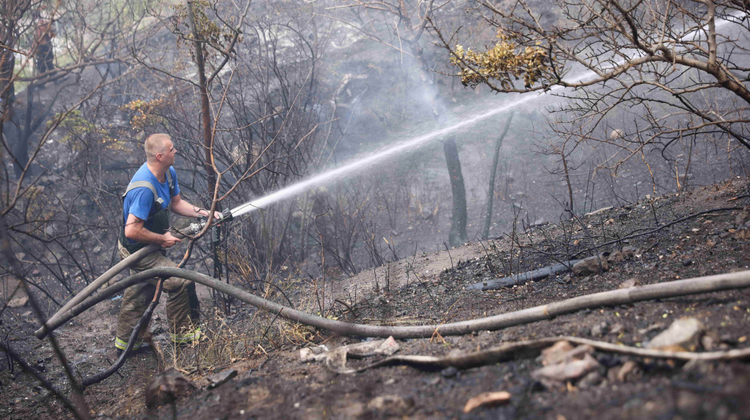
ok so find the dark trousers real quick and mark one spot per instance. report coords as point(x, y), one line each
point(44, 58)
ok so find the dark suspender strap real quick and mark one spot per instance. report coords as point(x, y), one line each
point(144, 184)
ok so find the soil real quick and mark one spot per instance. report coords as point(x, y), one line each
point(272, 382)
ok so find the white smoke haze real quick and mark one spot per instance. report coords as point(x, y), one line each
point(347, 120)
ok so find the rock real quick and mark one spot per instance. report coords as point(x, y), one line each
point(608, 360)
point(561, 346)
point(313, 353)
point(690, 404)
point(687, 262)
point(449, 372)
point(97, 249)
point(560, 373)
point(591, 379)
point(742, 217)
point(616, 257)
point(708, 342)
point(617, 329)
point(683, 335)
point(385, 347)
point(487, 399)
point(628, 370)
point(221, 378)
point(590, 266)
point(560, 356)
point(391, 403)
point(627, 284)
point(599, 329)
point(353, 410)
point(167, 387)
point(628, 252)
point(18, 302)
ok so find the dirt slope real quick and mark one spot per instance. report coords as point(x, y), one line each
point(432, 288)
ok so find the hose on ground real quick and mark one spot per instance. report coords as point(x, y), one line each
point(615, 297)
point(91, 288)
point(96, 378)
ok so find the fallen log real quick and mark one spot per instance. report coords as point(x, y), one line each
point(524, 277)
point(510, 351)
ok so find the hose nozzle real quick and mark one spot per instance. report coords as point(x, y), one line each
point(195, 228)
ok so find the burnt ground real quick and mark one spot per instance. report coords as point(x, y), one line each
point(430, 289)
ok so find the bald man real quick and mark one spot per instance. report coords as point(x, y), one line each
point(151, 194)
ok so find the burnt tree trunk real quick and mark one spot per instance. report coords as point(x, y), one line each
point(208, 140)
point(493, 173)
point(457, 234)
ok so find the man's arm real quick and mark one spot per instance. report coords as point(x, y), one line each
point(134, 230)
point(183, 208)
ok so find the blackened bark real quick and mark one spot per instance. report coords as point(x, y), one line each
point(205, 104)
point(493, 173)
point(457, 234)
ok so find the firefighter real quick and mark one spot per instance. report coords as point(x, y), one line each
point(151, 194)
point(44, 34)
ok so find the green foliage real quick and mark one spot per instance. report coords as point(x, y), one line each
point(77, 127)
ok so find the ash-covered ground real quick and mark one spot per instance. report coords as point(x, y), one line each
point(272, 382)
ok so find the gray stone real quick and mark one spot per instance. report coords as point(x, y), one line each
point(616, 257)
point(390, 403)
point(628, 252)
point(221, 378)
point(599, 329)
point(617, 329)
point(708, 342)
point(627, 284)
point(591, 265)
point(561, 355)
point(449, 372)
point(560, 373)
point(742, 217)
point(683, 335)
point(19, 301)
point(591, 379)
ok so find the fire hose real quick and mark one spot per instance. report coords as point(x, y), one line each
point(192, 229)
point(615, 297)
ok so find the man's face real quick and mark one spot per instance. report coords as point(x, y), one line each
point(169, 153)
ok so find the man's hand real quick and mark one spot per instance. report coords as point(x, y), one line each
point(183, 208)
point(168, 240)
point(217, 214)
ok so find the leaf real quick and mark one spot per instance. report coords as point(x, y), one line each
point(487, 399)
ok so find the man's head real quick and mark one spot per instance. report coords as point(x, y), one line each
point(160, 150)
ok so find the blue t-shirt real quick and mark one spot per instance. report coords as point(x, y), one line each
point(139, 201)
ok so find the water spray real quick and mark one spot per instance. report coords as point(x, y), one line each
point(365, 162)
